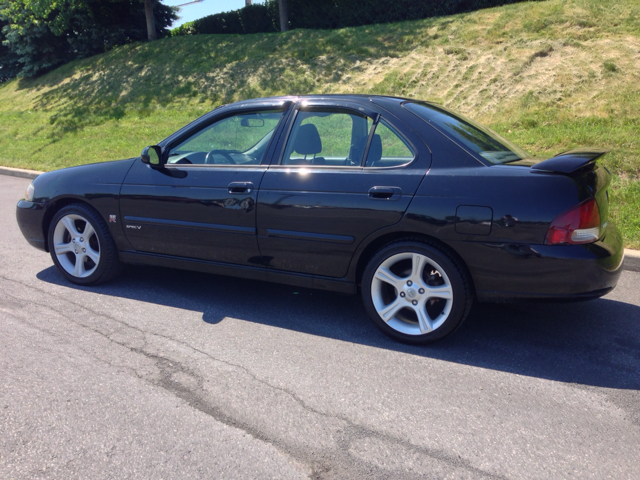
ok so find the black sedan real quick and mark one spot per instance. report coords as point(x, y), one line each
point(418, 208)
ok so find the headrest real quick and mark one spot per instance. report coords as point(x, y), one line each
point(375, 151)
point(308, 140)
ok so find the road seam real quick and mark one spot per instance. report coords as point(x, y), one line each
point(192, 397)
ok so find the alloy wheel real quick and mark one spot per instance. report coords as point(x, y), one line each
point(76, 245)
point(412, 293)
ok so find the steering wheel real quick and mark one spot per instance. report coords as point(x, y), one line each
point(224, 153)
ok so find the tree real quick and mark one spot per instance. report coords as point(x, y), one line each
point(44, 34)
point(9, 65)
point(151, 21)
point(284, 15)
point(29, 35)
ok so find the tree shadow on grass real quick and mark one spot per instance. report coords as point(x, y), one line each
point(594, 343)
point(213, 69)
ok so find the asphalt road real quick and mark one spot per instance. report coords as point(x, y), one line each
point(168, 374)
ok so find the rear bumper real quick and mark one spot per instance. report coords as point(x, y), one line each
point(546, 272)
point(30, 216)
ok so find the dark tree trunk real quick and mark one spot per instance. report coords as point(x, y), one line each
point(284, 15)
point(151, 21)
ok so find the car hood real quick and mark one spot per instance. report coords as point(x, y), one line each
point(81, 180)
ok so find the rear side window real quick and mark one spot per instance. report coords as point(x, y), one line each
point(476, 138)
point(388, 148)
point(327, 138)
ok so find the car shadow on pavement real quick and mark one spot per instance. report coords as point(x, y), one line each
point(593, 343)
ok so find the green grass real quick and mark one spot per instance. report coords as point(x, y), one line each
point(548, 75)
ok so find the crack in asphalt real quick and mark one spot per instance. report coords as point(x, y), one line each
point(338, 463)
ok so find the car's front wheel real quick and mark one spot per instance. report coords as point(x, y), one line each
point(415, 293)
point(81, 247)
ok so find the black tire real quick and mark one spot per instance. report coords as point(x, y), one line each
point(108, 265)
point(458, 282)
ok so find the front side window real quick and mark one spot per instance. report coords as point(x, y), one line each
point(236, 140)
point(327, 138)
point(477, 138)
point(388, 148)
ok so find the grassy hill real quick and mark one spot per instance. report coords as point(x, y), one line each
point(548, 75)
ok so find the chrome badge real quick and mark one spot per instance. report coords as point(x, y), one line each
point(112, 219)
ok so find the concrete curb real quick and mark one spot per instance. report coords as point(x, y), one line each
point(632, 260)
point(19, 172)
point(631, 257)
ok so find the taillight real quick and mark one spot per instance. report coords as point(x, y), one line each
point(581, 224)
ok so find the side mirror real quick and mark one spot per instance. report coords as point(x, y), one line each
point(152, 156)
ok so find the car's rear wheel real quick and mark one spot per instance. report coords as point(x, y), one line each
point(415, 293)
point(81, 247)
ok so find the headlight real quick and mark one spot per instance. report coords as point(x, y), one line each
point(28, 196)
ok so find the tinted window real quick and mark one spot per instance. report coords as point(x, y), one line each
point(388, 148)
point(329, 138)
point(477, 138)
point(239, 139)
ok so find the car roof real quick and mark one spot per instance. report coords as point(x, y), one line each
point(328, 96)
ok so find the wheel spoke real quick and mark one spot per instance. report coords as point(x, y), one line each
point(443, 291)
point(79, 269)
point(421, 284)
point(418, 266)
point(70, 225)
point(389, 311)
point(93, 255)
point(387, 276)
point(88, 231)
point(62, 248)
point(425, 323)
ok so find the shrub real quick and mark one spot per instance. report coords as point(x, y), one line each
point(9, 64)
point(326, 14)
point(250, 19)
point(321, 14)
point(610, 67)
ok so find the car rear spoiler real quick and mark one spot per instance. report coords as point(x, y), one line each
point(569, 162)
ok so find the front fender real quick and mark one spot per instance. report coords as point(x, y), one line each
point(95, 184)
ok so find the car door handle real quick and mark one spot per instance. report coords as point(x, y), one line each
point(240, 187)
point(385, 193)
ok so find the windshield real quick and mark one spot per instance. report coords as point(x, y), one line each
point(477, 138)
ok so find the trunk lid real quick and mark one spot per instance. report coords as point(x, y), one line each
point(579, 164)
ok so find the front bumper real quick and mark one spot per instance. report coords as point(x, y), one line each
point(550, 272)
point(30, 216)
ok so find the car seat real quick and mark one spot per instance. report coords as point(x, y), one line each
point(307, 142)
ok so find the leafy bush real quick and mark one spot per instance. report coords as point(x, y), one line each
point(321, 14)
point(609, 66)
point(257, 19)
point(327, 14)
point(250, 19)
point(9, 64)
